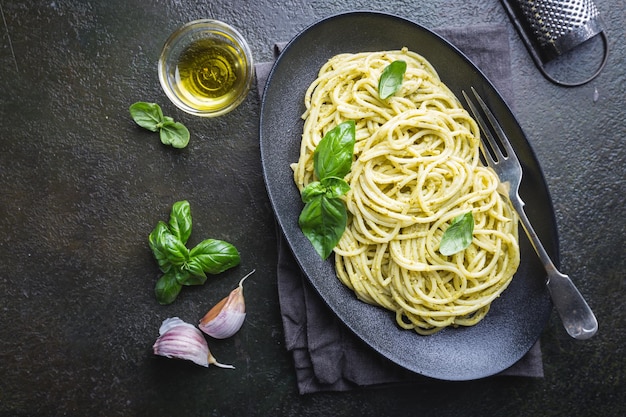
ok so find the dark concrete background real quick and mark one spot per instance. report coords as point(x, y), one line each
point(81, 186)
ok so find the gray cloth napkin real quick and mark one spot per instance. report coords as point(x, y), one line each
point(327, 355)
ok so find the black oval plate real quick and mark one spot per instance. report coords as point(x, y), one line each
point(518, 317)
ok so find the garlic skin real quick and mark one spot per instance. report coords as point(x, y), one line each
point(226, 317)
point(180, 340)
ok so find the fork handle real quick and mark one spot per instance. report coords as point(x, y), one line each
point(576, 315)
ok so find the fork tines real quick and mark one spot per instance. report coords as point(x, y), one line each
point(498, 149)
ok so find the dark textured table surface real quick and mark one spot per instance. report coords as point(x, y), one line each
point(82, 186)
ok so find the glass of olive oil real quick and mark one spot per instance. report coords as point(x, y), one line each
point(206, 68)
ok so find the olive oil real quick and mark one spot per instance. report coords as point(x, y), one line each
point(210, 74)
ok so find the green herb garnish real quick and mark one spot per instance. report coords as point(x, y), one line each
point(458, 236)
point(181, 266)
point(324, 217)
point(391, 79)
point(150, 116)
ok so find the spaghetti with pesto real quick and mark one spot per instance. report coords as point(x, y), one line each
point(417, 166)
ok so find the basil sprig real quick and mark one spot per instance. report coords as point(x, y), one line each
point(391, 79)
point(150, 116)
point(181, 266)
point(323, 218)
point(458, 235)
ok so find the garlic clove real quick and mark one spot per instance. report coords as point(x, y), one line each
point(180, 340)
point(226, 317)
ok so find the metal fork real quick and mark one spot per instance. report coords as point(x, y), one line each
point(576, 316)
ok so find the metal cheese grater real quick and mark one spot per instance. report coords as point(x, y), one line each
point(550, 28)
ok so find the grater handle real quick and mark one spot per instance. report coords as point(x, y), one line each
point(530, 38)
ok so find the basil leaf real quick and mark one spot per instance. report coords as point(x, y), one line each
point(191, 279)
point(185, 277)
point(147, 115)
point(181, 275)
point(180, 220)
point(155, 240)
point(167, 288)
point(174, 134)
point(175, 251)
point(391, 79)
point(150, 116)
point(181, 266)
point(324, 217)
point(214, 256)
point(458, 236)
point(335, 187)
point(194, 266)
point(312, 190)
point(333, 155)
point(323, 221)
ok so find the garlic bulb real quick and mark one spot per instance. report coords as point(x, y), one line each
point(181, 340)
point(227, 316)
